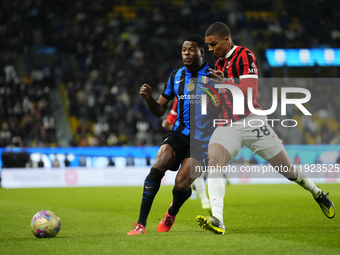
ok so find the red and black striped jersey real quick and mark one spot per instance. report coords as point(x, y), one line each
point(240, 69)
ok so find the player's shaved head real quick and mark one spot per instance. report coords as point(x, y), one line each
point(218, 28)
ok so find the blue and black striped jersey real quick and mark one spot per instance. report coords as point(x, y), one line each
point(188, 87)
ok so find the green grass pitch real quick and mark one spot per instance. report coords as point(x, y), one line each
point(260, 219)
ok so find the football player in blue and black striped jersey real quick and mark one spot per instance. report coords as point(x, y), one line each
point(183, 147)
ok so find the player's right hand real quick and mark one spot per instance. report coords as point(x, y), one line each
point(145, 91)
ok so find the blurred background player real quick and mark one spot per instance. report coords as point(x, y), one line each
point(199, 185)
point(237, 65)
point(178, 148)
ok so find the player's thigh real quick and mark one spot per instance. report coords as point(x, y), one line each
point(227, 138)
point(259, 137)
point(218, 155)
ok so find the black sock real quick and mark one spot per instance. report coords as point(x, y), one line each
point(178, 200)
point(151, 186)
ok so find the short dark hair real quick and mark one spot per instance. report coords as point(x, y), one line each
point(218, 28)
point(196, 38)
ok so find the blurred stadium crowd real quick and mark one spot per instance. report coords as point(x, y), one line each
point(70, 71)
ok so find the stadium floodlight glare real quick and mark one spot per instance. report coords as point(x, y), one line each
point(303, 57)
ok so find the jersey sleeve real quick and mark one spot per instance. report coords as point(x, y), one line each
point(173, 113)
point(169, 88)
point(248, 65)
point(174, 106)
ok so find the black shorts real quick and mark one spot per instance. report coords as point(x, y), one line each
point(184, 148)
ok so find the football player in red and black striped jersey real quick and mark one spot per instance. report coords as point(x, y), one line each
point(237, 66)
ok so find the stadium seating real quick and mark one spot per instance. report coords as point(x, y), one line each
point(105, 50)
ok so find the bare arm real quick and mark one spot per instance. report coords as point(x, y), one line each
point(156, 108)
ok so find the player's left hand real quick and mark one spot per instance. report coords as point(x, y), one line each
point(167, 124)
point(219, 76)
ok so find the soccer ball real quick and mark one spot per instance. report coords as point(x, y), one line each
point(45, 224)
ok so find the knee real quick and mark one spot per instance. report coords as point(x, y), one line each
point(182, 183)
point(213, 161)
point(162, 164)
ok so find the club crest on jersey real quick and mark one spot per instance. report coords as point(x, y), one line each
point(227, 66)
point(190, 86)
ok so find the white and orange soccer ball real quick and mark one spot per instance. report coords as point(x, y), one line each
point(45, 224)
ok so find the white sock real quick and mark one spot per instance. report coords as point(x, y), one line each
point(216, 188)
point(201, 189)
point(307, 183)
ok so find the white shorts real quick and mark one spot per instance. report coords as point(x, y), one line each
point(253, 131)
